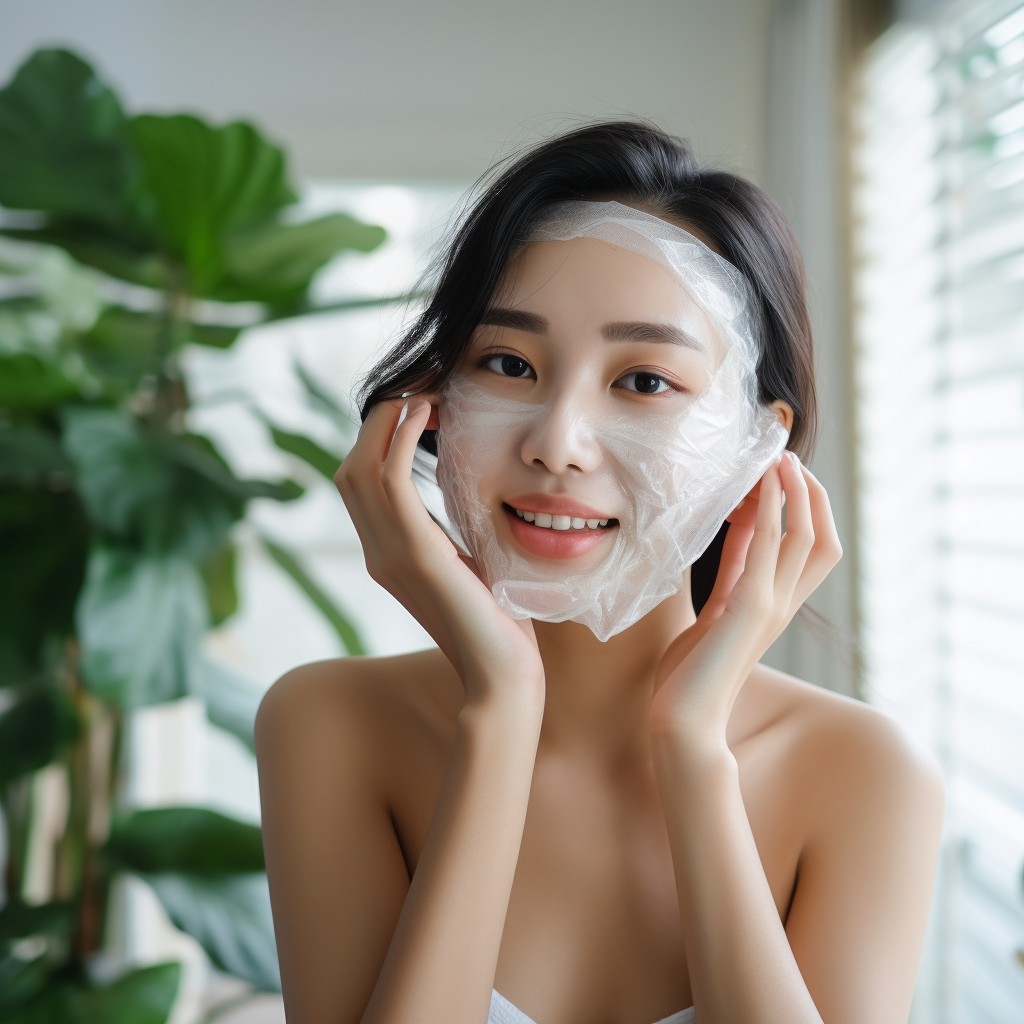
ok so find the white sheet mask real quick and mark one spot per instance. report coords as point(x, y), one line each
point(679, 472)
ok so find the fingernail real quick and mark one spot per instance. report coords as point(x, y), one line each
point(402, 415)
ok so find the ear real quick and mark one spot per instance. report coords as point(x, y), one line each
point(433, 420)
point(784, 411)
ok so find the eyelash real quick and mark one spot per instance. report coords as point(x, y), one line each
point(664, 383)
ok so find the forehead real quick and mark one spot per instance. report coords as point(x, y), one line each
point(589, 283)
point(594, 273)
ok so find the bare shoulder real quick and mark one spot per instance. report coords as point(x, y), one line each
point(354, 701)
point(846, 754)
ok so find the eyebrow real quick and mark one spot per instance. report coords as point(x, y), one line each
point(643, 331)
point(533, 323)
point(516, 319)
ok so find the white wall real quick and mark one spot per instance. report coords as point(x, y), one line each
point(396, 89)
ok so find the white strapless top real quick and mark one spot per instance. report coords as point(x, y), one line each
point(504, 1012)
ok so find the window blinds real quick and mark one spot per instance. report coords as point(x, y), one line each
point(939, 307)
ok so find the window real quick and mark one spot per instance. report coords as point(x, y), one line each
point(939, 233)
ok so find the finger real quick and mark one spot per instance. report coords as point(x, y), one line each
point(730, 566)
point(763, 553)
point(796, 545)
point(826, 550)
point(429, 544)
point(359, 483)
point(396, 473)
point(747, 507)
point(375, 433)
point(358, 477)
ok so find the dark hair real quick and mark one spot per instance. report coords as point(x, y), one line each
point(637, 163)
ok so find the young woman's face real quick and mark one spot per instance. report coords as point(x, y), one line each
point(588, 331)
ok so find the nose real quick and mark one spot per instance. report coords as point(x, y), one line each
point(560, 441)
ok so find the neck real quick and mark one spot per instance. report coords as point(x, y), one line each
point(598, 694)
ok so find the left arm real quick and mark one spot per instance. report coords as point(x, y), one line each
point(857, 921)
point(849, 950)
point(742, 968)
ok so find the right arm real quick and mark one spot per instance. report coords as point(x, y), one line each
point(358, 941)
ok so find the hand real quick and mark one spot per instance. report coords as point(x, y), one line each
point(409, 555)
point(763, 579)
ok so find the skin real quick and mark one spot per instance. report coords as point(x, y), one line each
point(606, 833)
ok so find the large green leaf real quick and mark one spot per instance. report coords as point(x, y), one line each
point(21, 981)
point(136, 491)
point(212, 335)
point(196, 453)
point(192, 840)
point(19, 920)
point(26, 325)
point(31, 456)
point(324, 402)
point(123, 346)
point(33, 732)
point(140, 621)
point(220, 580)
point(120, 254)
point(28, 382)
point(347, 632)
point(143, 996)
point(43, 542)
point(275, 262)
point(159, 492)
point(324, 462)
point(24, 982)
point(65, 142)
point(230, 918)
point(207, 182)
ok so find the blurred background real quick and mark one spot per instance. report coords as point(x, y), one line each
point(213, 217)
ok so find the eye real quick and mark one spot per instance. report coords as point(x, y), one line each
point(509, 366)
point(643, 382)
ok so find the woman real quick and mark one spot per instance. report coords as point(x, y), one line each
point(532, 823)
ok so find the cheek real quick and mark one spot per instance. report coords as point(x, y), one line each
point(478, 452)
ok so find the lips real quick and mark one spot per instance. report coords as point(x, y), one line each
point(558, 528)
point(554, 505)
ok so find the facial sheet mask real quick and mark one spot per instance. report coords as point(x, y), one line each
point(680, 472)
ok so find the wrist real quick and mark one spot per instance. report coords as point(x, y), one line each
point(502, 709)
point(692, 753)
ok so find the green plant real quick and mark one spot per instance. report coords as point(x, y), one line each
point(115, 519)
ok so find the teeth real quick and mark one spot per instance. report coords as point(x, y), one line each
point(550, 522)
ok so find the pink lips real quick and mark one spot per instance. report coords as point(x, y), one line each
point(548, 543)
point(537, 501)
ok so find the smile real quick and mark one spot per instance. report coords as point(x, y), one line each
point(558, 534)
point(547, 521)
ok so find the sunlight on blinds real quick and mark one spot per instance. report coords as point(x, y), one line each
point(939, 220)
